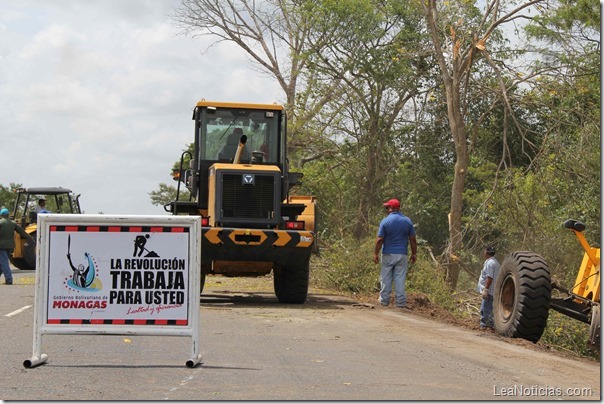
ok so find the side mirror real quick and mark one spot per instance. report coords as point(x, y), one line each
point(188, 178)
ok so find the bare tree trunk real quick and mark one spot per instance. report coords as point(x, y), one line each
point(452, 75)
point(456, 207)
point(455, 56)
point(367, 195)
point(458, 132)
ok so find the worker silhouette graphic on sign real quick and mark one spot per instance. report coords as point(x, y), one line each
point(139, 247)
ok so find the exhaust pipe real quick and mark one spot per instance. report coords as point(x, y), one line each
point(240, 148)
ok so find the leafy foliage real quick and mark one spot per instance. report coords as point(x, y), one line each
point(7, 196)
point(168, 193)
point(356, 273)
point(370, 119)
point(563, 332)
point(349, 268)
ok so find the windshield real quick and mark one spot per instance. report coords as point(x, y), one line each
point(222, 128)
point(28, 205)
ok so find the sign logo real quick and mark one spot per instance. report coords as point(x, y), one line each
point(248, 179)
point(84, 275)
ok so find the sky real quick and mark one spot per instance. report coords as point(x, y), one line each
point(97, 96)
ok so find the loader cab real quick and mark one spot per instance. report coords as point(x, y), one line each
point(219, 128)
point(58, 200)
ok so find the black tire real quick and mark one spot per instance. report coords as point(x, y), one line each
point(21, 263)
point(291, 283)
point(28, 260)
point(523, 293)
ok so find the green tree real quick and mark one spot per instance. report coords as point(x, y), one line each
point(464, 35)
point(369, 49)
point(168, 193)
point(274, 35)
point(8, 196)
point(560, 98)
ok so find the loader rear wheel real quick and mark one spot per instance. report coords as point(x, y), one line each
point(28, 260)
point(21, 263)
point(291, 283)
point(522, 296)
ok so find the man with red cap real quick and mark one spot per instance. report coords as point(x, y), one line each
point(395, 233)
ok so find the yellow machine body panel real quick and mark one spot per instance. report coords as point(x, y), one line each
point(19, 250)
point(240, 182)
point(587, 284)
point(309, 213)
point(243, 105)
point(214, 175)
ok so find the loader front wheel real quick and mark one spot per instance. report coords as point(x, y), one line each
point(291, 283)
point(522, 296)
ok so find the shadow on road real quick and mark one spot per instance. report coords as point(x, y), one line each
point(266, 299)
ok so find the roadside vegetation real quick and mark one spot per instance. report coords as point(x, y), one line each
point(482, 118)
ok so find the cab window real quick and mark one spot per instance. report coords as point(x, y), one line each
point(222, 128)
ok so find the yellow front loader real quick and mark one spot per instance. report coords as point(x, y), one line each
point(240, 186)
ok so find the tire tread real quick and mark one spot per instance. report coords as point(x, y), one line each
point(532, 296)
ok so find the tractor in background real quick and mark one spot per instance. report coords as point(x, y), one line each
point(58, 200)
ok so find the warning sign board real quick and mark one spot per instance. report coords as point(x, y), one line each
point(117, 275)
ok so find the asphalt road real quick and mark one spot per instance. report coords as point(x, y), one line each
point(254, 348)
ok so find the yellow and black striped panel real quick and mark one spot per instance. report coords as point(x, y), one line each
point(258, 237)
point(279, 246)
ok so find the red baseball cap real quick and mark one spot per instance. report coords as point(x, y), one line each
point(393, 203)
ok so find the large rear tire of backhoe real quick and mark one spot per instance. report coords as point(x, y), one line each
point(523, 293)
point(291, 283)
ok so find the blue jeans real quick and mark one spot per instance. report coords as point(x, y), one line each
point(4, 266)
point(486, 312)
point(394, 269)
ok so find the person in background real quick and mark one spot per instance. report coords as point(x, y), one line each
point(228, 151)
point(7, 243)
point(395, 233)
point(41, 206)
point(486, 287)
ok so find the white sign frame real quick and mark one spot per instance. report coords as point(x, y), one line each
point(115, 289)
